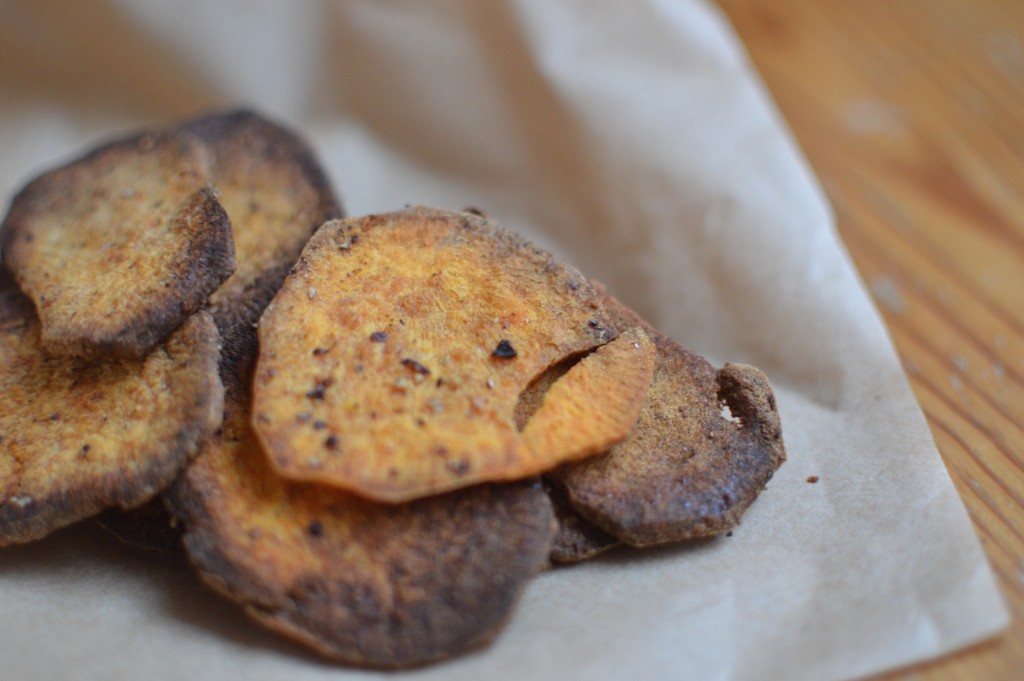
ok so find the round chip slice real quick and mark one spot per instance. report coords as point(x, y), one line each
point(78, 436)
point(367, 583)
point(686, 471)
point(276, 194)
point(120, 247)
point(392, 358)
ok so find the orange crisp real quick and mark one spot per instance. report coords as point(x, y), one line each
point(392, 359)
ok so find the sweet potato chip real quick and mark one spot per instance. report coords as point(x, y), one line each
point(392, 358)
point(368, 583)
point(120, 247)
point(78, 436)
point(276, 195)
point(686, 471)
point(577, 538)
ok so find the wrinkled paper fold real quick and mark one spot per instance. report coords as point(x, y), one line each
point(632, 139)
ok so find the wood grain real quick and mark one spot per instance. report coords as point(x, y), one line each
point(912, 114)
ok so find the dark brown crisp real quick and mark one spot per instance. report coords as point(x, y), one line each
point(686, 471)
point(79, 436)
point(577, 538)
point(276, 194)
point(367, 583)
point(118, 248)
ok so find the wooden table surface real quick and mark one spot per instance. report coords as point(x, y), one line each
point(912, 114)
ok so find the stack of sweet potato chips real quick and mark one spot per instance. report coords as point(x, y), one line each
point(372, 431)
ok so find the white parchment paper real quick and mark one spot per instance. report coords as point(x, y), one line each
point(631, 138)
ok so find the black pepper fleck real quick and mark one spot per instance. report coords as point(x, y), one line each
point(504, 350)
point(415, 366)
point(317, 393)
point(331, 442)
point(378, 336)
point(316, 529)
point(319, 351)
point(459, 467)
